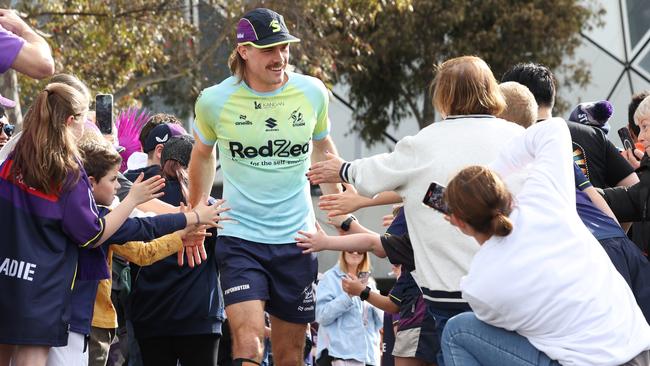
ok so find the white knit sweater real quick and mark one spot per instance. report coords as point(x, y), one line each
point(436, 153)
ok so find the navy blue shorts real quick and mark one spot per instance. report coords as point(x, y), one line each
point(276, 273)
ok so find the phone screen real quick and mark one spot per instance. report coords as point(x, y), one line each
point(104, 112)
point(363, 277)
point(434, 198)
point(626, 138)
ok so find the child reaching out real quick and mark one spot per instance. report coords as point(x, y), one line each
point(102, 164)
point(48, 213)
point(416, 330)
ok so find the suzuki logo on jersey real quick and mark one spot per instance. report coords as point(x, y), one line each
point(271, 124)
point(296, 118)
point(280, 148)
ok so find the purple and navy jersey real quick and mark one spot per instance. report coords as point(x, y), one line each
point(133, 229)
point(41, 235)
point(599, 224)
point(407, 295)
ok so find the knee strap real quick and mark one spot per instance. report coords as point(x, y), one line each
point(240, 361)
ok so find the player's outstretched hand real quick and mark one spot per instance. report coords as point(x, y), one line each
point(210, 215)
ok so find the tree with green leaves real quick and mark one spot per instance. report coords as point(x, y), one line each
point(126, 47)
point(386, 51)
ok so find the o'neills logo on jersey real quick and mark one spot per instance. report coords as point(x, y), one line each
point(279, 148)
point(268, 104)
point(243, 121)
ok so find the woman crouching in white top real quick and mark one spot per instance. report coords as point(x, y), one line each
point(542, 289)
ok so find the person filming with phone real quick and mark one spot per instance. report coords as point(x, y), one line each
point(348, 332)
point(630, 204)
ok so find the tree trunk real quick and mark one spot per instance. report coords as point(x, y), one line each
point(428, 113)
point(9, 89)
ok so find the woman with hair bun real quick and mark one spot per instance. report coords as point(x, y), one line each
point(542, 289)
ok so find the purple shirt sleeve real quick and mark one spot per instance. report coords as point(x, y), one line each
point(10, 46)
point(81, 221)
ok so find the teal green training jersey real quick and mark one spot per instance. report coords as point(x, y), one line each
point(264, 142)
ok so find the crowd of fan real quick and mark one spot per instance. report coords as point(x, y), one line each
point(537, 256)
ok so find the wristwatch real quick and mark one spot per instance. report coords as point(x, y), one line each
point(345, 225)
point(365, 294)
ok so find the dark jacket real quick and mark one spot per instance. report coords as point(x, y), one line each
point(172, 190)
point(598, 158)
point(630, 204)
point(168, 300)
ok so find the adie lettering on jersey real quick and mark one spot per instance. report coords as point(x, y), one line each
point(280, 148)
point(18, 269)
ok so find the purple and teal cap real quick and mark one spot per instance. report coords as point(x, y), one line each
point(263, 28)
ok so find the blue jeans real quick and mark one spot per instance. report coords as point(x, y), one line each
point(440, 317)
point(468, 341)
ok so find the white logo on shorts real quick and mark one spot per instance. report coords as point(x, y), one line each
point(306, 308)
point(237, 288)
point(308, 295)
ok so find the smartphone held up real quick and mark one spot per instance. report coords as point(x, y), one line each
point(626, 139)
point(434, 198)
point(104, 113)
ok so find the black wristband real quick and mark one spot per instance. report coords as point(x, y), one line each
point(365, 294)
point(345, 225)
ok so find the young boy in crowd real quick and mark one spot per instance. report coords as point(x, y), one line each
point(102, 162)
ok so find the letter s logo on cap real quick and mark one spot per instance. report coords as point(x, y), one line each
point(275, 26)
